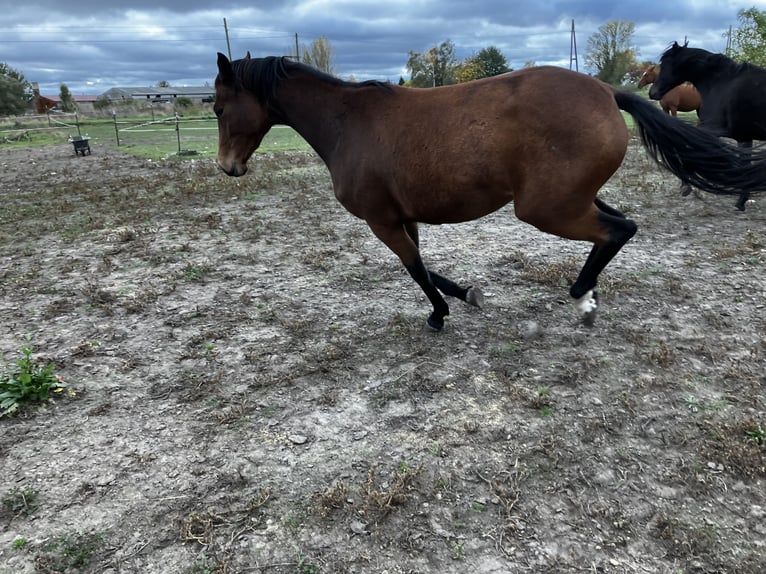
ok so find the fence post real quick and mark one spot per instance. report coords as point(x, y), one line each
point(77, 123)
point(116, 131)
point(178, 134)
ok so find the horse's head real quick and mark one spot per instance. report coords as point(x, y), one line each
point(648, 77)
point(669, 76)
point(243, 119)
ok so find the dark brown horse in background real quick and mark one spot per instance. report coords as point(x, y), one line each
point(683, 98)
point(545, 138)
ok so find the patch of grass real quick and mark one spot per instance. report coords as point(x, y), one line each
point(739, 446)
point(304, 565)
point(552, 274)
point(686, 541)
point(382, 498)
point(20, 501)
point(756, 433)
point(696, 405)
point(663, 355)
point(27, 382)
point(195, 272)
point(751, 244)
point(70, 552)
point(332, 499)
point(458, 552)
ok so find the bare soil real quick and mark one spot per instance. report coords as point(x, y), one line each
point(256, 390)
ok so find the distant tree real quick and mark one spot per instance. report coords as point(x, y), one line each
point(15, 91)
point(748, 43)
point(610, 51)
point(184, 102)
point(67, 102)
point(319, 55)
point(434, 67)
point(102, 102)
point(492, 61)
point(488, 62)
point(530, 64)
point(163, 84)
point(469, 69)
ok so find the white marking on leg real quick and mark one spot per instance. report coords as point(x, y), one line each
point(587, 304)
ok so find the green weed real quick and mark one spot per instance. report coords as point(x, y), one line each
point(18, 501)
point(73, 551)
point(27, 382)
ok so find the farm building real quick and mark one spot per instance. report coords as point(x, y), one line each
point(155, 94)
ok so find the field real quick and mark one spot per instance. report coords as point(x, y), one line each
point(251, 387)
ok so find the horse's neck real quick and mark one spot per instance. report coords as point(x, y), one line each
point(315, 109)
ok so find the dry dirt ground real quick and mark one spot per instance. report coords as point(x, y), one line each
point(256, 391)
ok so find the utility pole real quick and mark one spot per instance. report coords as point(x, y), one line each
point(573, 49)
point(728, 43)
point(297, 50)
point(228, 44)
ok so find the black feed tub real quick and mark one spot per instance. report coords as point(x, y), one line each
point(81, 145)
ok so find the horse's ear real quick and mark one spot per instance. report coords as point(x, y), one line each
point(225, 71)
point(247, 56)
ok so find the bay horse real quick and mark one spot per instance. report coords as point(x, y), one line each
point(733, 94)
point(545, 138)
point(682, 98)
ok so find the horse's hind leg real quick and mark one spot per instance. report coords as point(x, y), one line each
point(619, 231)
point(471, 295)
point(603, 225)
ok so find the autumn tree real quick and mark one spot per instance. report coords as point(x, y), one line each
point(487, 62)
point(748, 43)
point(319, 55)
point(611, 52)
point(434, 67)
point(14, 91)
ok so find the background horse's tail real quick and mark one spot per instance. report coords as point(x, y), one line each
point(697, 157)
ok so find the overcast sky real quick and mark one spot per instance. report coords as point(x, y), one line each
point(92, 45)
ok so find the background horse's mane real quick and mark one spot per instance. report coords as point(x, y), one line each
point(711, 59)
point(262, 76)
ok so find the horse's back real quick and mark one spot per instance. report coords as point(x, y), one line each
point(459, 152)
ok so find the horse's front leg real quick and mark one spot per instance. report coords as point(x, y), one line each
point(402, 244)
point(471, 295)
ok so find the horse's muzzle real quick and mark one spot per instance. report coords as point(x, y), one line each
point(235, 170)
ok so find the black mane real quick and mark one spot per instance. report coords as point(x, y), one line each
point(700, 58)
point(262, 76)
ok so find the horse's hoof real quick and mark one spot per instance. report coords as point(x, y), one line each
point(434, 324)
point(474, 297)
point(587, 305)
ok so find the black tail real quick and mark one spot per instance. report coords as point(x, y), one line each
point(697, 157)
